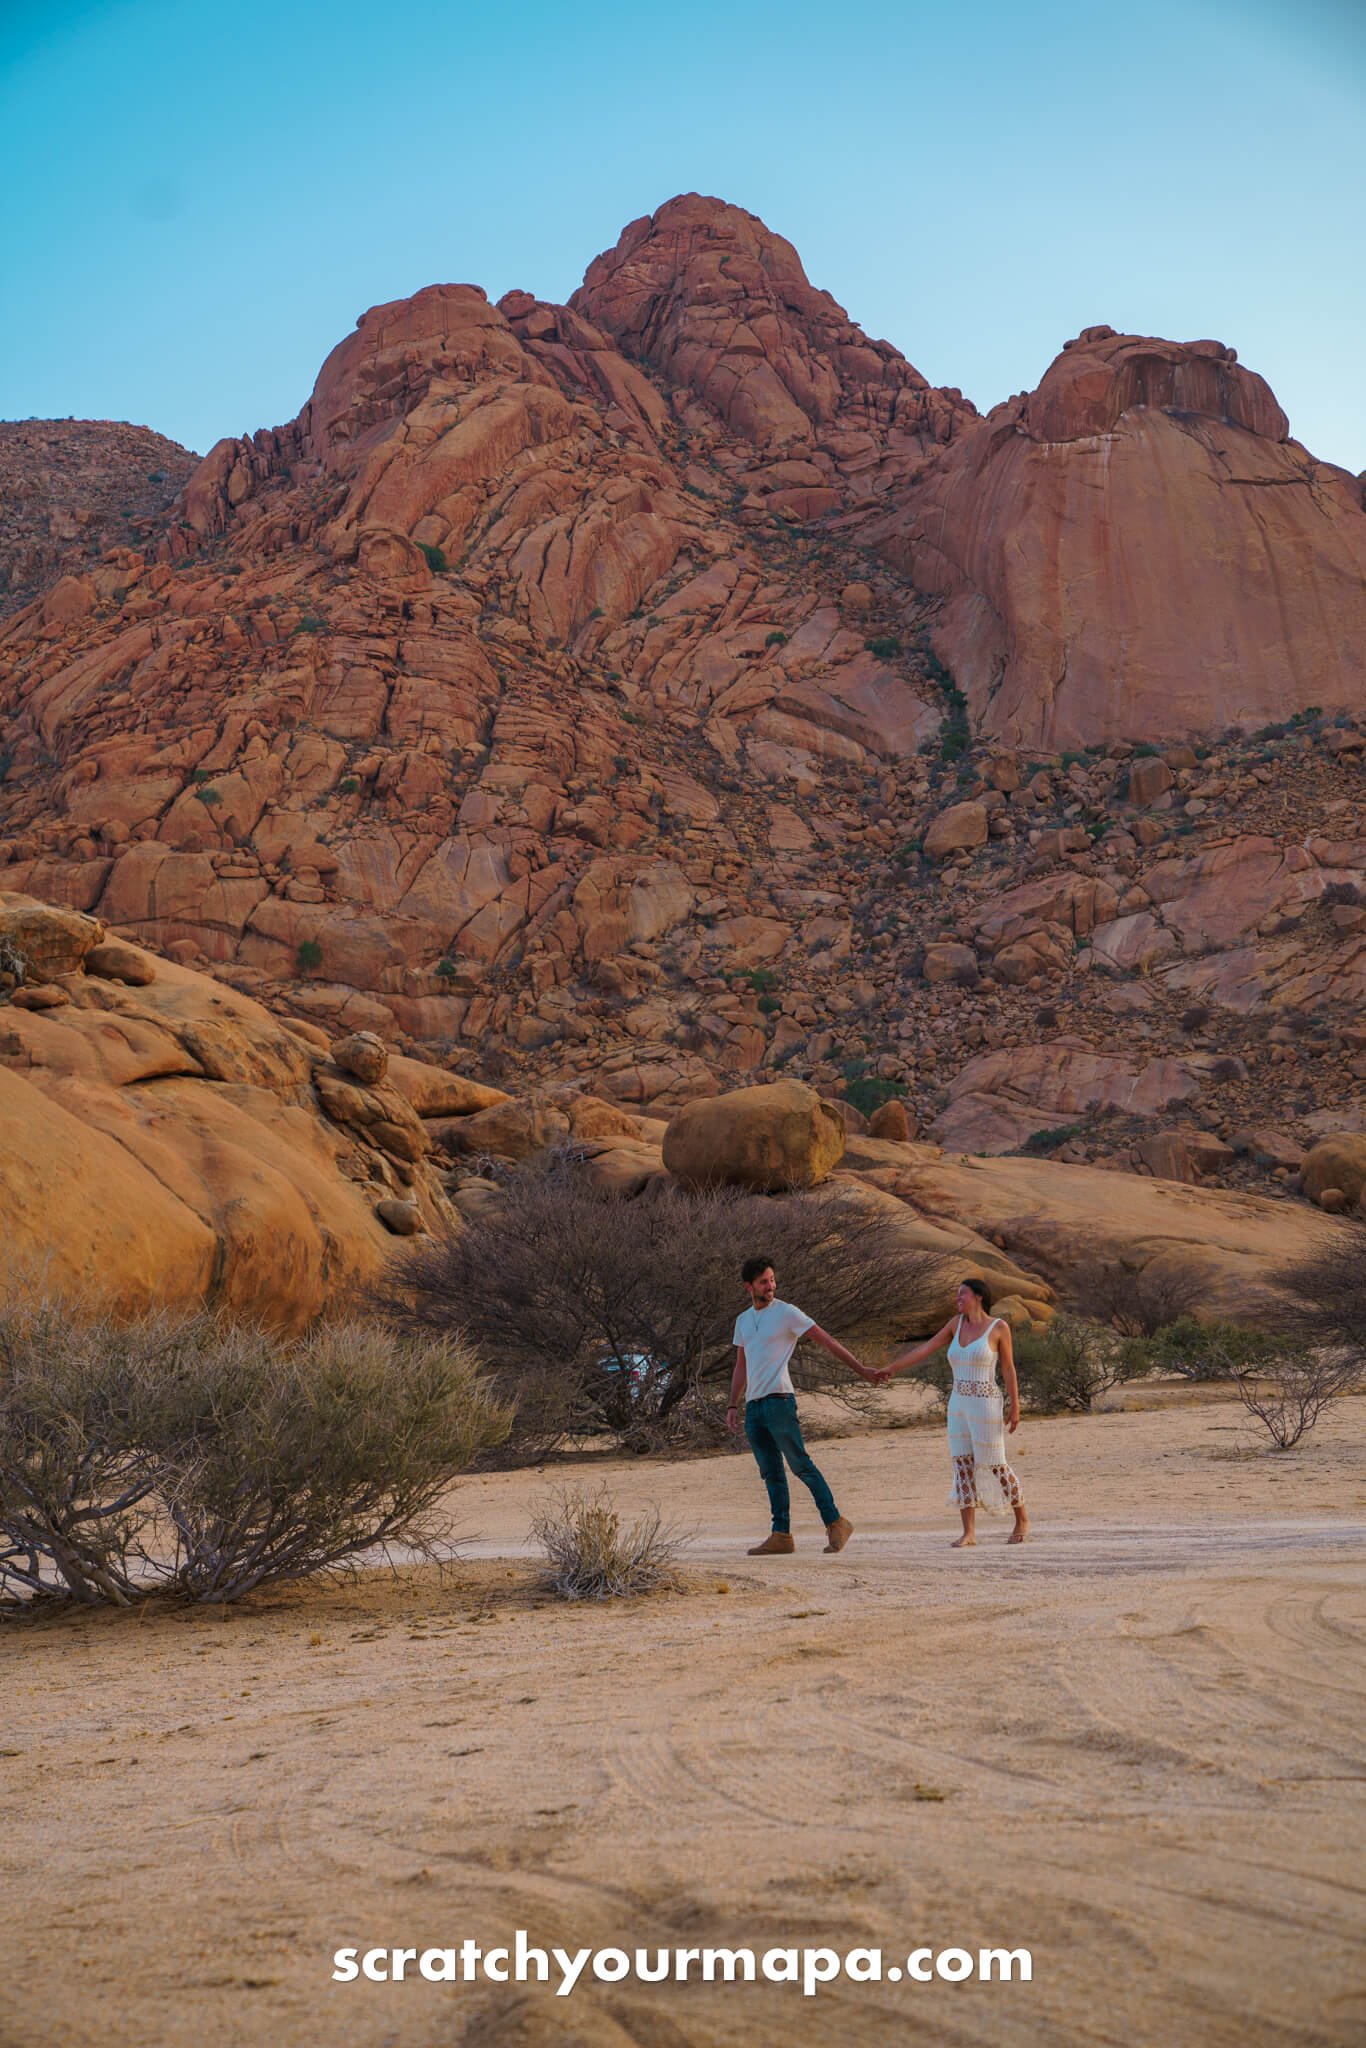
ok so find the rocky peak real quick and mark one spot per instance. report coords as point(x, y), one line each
point(721, 307)
point(1102, 375)
point(447, 336)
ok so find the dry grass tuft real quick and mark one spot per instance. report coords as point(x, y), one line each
point(589, 1555)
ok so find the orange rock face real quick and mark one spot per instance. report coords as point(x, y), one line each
point(1138, 549)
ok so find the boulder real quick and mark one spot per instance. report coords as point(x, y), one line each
point(506, 1130)
point(363, 1054)
point(113, 961)
point(1070, 1221)
point(891, 1122)
point(960, 828)
point(1184, 1155)
point(1021, 1314)
point(1268, 1147)
point(49, 942)
point(40, 995)
point(436, 1091)
point(949, 961)
point(1149, 778)
point(774, 1137)
point(1001, 1098)
point(404, 1219)
point(1338, 1162)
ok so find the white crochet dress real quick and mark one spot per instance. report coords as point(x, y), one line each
point(982, 1476)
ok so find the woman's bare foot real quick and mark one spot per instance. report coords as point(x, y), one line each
point(1021, 1529)
point(963, 1543)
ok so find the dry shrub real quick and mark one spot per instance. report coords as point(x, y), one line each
point(598, 1314)
point(1327, 1294)
point(79, 1466)
point(589, 1555)
point(283, 1461)
point(265, 1460)
point(1140, 1304)
point(1321, 1323)
point(1288, 1395)
point(1063, 1369)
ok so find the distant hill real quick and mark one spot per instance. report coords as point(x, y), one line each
point(70, 489)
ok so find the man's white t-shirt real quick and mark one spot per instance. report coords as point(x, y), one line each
point(769, 1337)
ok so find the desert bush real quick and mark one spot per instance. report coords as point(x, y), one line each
point(868, 1092)
point(589, 1555)
point(1064, 1369)
point(595, 1313)
point(211, 1457)
point(78, 1466)
point(1196, 1017)
point(1039, 1143)
point(1209, 1351)
point(1060, 1370)
point(280, 1461)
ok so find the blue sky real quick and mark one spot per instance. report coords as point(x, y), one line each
point(202, 200)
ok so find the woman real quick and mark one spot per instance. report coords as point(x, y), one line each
point(982, 1476)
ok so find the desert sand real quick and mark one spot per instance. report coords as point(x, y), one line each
point(1133, 1747)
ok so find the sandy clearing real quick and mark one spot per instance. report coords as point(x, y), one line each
point(1133, 1747)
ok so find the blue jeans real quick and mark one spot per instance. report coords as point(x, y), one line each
point(774, 1434)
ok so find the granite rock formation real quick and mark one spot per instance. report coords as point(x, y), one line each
point(673, 691)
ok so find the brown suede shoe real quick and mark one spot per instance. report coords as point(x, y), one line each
point(779, 1544)
point(839, 1533)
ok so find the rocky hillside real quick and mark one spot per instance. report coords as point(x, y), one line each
point(672, 689)
point(167, 1140)
point(72, 489)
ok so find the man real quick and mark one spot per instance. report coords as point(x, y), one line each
point(766, 1336)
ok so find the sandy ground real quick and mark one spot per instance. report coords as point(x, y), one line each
point(1133, 1747)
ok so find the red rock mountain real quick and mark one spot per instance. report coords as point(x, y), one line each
point(636, 691)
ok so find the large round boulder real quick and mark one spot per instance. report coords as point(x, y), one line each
point(1338, 1162)
point(768, 1139)
point(46, 941)
point(364, 1056)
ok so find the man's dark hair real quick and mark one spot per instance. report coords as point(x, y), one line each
point(979, 1288)
point(752, 1268)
